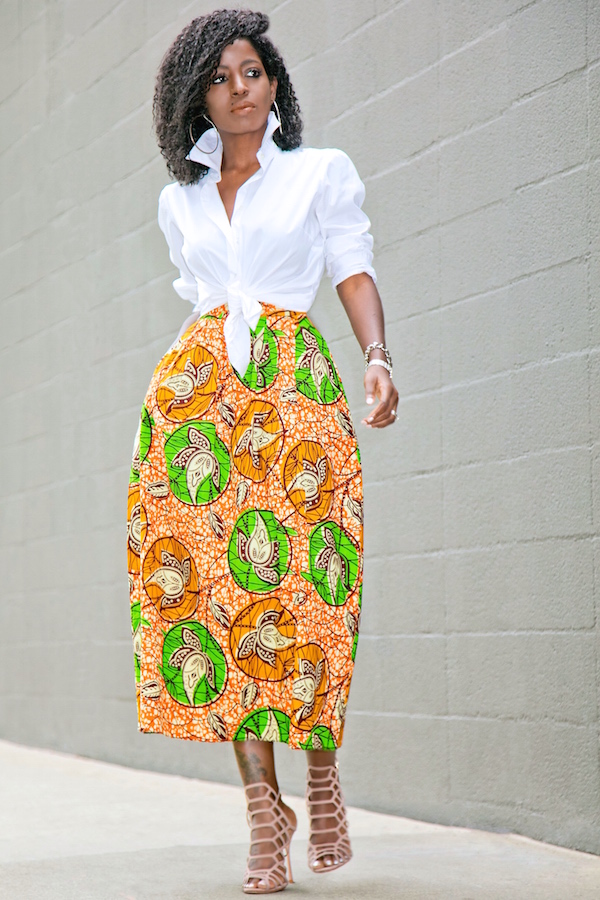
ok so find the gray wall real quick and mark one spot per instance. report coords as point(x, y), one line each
point(475, 126)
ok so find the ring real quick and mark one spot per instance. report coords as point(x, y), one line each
point(395, 414)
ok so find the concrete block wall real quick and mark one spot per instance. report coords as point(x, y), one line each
point(476, 128)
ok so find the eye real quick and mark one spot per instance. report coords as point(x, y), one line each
point(216, 79)
point(256, 71)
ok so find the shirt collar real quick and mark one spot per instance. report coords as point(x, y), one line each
point(206, 142)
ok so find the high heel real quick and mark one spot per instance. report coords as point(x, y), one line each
point(323, 790)
point(263, 800)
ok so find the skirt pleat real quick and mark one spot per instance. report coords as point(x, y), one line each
point(245, 539)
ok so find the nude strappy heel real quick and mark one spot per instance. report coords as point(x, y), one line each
point(322, 791)
point(261, 798)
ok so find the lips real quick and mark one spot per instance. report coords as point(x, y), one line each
point(242, 106)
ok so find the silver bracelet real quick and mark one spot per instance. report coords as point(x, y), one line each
point(380, 362)
point(380, 346)
point(377, 345)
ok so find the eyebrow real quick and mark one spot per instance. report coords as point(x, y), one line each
point(221, 66)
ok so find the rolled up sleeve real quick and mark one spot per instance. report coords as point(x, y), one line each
point(348, 243)
point(185, 285)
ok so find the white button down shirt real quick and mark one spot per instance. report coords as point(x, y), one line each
point(301, 211)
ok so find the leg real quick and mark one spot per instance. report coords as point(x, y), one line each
point(329, 827)
point(256, 763)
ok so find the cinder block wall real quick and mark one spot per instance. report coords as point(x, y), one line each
point(476, 129)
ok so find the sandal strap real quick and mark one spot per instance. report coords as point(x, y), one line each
point(262, 798)
point(323, 787)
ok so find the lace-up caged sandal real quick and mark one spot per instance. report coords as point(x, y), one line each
point(325, 801)
point(264, 815)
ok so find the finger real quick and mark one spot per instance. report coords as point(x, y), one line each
point(384, 413)
point(389, 420)
point(371, 386)
point(381, 413)
point(383, 420)
point(389, 399)
point(377, 387)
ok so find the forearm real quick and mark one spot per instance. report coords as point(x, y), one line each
point(364, 308)
point(360, 298)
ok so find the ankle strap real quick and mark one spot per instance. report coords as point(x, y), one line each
point(329, 772)
point(267, 792)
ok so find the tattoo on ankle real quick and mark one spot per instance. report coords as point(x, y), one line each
point(250, 766)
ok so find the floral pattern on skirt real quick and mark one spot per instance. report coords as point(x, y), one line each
point(245, 539)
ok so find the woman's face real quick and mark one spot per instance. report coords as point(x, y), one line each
point(240, 95)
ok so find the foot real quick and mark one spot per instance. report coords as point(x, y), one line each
point(329, 843)
point(328, 829)
point(262, 837)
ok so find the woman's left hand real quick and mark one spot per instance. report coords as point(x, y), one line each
point(379, 384)
point(362, 303)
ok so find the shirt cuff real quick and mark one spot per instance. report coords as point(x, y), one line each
point(344, 268)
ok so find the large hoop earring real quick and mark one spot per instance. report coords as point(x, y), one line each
point(278, 114)
point(212, 124)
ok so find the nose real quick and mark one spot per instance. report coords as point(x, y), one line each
point(238, 85)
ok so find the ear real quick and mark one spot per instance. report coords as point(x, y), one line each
point(273, 88)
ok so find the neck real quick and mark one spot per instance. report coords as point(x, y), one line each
point(239, 150)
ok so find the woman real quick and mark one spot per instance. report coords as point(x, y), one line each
point(245, 505)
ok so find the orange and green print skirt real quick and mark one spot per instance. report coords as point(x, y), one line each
point(245, 539)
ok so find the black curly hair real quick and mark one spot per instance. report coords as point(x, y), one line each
point(184, 77)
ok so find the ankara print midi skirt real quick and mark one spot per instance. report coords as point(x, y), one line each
point(245, 539)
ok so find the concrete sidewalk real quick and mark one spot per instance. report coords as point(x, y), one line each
point(77, 829)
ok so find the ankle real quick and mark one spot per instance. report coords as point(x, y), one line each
point(321, 759)
point(256, 789)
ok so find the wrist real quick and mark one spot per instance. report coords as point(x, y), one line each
point(379, 364)
point(372, 359)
